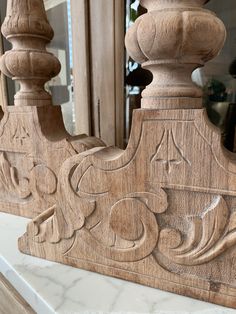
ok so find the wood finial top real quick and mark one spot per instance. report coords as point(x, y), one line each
point(27, 28)
point(172, 40)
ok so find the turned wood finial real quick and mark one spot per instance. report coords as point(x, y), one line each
point(173, 39)
point(27, 28)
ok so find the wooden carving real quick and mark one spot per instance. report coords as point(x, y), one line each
point(33, 140)
point(162, 212)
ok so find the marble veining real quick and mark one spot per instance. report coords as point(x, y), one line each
point(53, 288)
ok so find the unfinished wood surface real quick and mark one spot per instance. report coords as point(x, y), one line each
point(162, 212)
point(10, 300)
point(33, 140)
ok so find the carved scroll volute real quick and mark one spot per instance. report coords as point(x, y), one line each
point(27, 28)
point(172, 40)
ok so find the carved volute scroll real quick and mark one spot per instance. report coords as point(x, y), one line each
point(162, 212)
point(27, 28)
point(171, 40)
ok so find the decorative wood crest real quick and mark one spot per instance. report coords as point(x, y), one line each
point(33, 140)
point(162, 212)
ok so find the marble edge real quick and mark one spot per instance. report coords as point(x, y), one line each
point(25, 290)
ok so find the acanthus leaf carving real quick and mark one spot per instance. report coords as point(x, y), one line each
point(210, 235)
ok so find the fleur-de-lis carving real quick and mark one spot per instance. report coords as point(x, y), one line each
point(20, 134)
point(168, 152)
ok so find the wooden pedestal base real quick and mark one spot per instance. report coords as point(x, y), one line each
point(162, 213)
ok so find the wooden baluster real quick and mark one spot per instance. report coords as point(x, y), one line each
point(162, 212)
point(171, 41)
point(27, 28)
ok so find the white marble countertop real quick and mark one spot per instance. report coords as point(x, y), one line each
point(53, 288)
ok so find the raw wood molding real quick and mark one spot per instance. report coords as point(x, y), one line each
point(33, 140)
point(162, 212)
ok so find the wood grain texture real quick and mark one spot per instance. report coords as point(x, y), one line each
point(33, 139)
point(10, 300)
point(162, 212)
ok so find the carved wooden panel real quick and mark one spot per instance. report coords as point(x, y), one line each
point(33, 140)
point(150, 213)
point(162, 212)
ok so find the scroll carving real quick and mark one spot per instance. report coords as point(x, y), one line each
point(127, 224)
point(162, 212)
point(210, 234)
